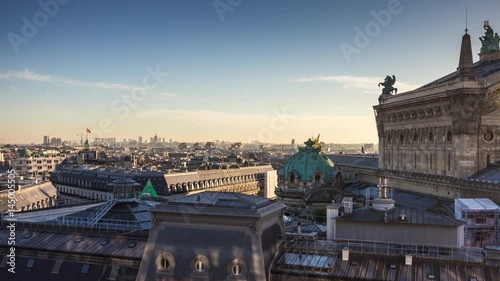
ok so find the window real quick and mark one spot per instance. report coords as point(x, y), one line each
point(30, 264)
point(430, 162)
point(480, 221)
point(85, 269)
point(57, 267)
point(449, 162)
point(165, 263)
point(236, 270)
point(200, 266)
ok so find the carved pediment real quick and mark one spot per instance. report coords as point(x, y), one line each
point(491, 103)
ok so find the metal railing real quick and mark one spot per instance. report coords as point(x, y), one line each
point(73, 225)
point(316, 244)
point(100, 211)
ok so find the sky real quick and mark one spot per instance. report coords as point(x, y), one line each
point(234, 70)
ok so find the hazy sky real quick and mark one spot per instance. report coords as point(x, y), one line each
point(235, 70)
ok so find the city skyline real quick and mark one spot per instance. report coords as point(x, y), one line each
point(208, 70)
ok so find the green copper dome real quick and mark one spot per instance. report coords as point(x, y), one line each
point(309, 164)
point(25, 153)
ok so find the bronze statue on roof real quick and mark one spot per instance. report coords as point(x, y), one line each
point(388, 86)
point(489, 41)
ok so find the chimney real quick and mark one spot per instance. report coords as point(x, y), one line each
point(408, 259)
point(345, 254)
point(332, 212)
point(465, 64)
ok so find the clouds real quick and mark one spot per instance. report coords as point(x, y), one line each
point(365, 84)
point(26, 75)
point(30, 75)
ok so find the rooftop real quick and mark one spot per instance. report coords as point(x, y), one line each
point(362, 161)
point(480, 204)
point(394, 216)
point(223, 200)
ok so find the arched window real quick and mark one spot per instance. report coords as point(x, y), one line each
point(200, 266)
point(317, 178)
point(165, 262)
point(237, 269)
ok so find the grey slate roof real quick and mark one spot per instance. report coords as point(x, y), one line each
point(411, 217)
point(363, 161)
point(330, 266)
point(481, 69)
point(490, 173)
point(68, 243)
point(223, 199)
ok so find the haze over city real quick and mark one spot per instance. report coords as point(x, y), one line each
point(259, 70)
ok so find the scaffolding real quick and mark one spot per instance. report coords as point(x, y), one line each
point(481, 217)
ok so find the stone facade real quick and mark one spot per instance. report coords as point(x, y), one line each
point(449, 127)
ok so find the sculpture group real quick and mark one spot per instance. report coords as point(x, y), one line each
point(489, 41)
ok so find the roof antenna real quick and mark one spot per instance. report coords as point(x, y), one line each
point(466, 20)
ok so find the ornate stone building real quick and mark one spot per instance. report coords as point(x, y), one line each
point(449, 127)
point(310, 178)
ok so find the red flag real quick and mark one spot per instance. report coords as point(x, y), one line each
point(88, 131)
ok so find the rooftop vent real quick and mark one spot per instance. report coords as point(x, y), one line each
point(408, 259)
point(345, 254)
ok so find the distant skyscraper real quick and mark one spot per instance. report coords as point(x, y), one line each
point(46, 140)
point(140, 140)
point(163, 140)
point(293, 142)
